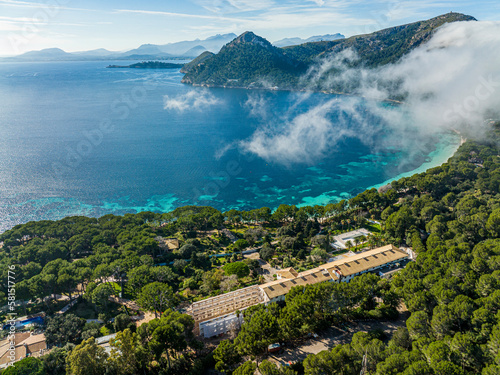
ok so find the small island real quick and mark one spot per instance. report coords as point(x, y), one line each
point(149, 65)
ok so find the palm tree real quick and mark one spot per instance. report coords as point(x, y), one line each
point(362, 239)
point(371, 241)
point(357, 240)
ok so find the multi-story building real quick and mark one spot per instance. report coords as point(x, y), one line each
point(217, 315)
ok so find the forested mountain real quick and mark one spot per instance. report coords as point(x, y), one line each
point(251, 61)
point(247, 61)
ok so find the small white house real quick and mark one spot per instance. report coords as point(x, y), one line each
point(339, 242)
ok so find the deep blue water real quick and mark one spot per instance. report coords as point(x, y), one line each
point(77, 138)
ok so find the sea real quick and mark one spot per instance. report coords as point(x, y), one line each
point(78, 138)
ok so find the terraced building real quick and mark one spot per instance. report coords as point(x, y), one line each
point(217, 315)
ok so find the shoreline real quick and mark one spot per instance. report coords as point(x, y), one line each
point(438, 157)
point(445, 149)
point(442, 153)
point(292, 90)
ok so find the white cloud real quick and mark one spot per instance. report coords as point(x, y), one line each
point(301, 139)
point(182, 15)
point(445, 78)
point(250, 5)
point(193, 100)
point(450, 83)
point(268, 18)
point(257, 106)
point(48, 5)
point(235, 6)
point(26, 21)
point(20, 4)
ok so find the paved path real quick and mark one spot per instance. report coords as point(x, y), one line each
point(125, 302)
point(68, 306)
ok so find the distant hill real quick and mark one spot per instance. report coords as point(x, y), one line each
point(95, 52)
point(212, 44)
point(183, 50)
point(250, 61)
point(318, 38)
point(145, 49)
point(44, 55)
point(187, 49)
point(195, 51)
point(56, 54)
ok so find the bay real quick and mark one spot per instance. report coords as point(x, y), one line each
point(79, 139)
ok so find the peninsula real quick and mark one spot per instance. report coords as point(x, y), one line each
point(149, 65)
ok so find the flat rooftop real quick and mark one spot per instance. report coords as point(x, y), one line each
point(341, 239)
point(227, 303)
point(287, 273)
point(346, 266)
point(368, 259)
point(281, 287)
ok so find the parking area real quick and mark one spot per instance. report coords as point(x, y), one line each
point(387, 271)
point(332, 337)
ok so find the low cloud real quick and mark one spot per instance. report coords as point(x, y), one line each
point(257, 106)
point(303, 138)
point(193, 100)
point(450, 83)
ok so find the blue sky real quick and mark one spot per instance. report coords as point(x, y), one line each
point(76, 25)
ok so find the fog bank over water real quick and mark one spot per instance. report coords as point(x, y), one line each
point(451, 82)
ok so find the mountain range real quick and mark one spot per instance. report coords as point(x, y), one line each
point(184, 50)
point(250, 61)
point(178, 50)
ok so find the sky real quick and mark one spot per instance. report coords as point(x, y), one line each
point(79, 25)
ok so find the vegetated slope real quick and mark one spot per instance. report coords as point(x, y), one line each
point(251, 61)
point(247, 61)
point(196, 62)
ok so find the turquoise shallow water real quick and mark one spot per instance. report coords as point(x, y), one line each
point(79, 139)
